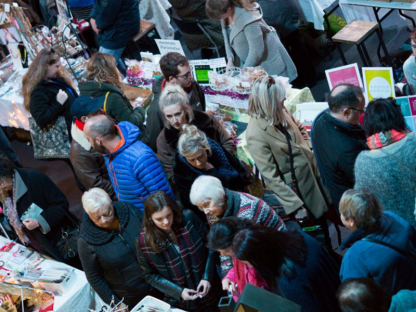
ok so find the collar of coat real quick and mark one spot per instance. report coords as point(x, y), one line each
point(21, 188)
point(78, 136)
point(94, 235)
point(341, 125)
point(201, 120)
point(233, 203)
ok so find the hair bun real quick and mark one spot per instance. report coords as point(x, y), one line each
point(189, 130)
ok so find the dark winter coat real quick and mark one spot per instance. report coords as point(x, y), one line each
point(227, 168)
point(390, 269)
point(154, 124)
point(161, 271)
point(118, 105)
point(336, 145)
point(167, 142)
point(34, 187)
point(315, 284)
point(109, 259)
point(44, 107)
point(118, 21)
point(89, 165)
point(134, 169)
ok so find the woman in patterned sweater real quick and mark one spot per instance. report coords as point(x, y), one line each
point(208, 194)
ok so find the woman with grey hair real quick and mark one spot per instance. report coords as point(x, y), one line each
point(106, 247)
point(217, 202)
point(176, 112)
point(199, 155)
point(282, 151)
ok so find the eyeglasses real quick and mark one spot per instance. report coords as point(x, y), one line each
point(358, 110)
point(185, 76)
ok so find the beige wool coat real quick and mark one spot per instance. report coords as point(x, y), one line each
point(269, 149)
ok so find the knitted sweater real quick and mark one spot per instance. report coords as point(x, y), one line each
point(390, 173)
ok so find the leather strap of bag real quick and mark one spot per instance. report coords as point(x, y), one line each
point(105, 102)
point(408, 255)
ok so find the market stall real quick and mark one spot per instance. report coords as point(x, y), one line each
point(27, 278)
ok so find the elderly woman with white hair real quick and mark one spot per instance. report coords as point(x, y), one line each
point(176, 112)
point(217, 202)
point(106, 247)
point(199, 155)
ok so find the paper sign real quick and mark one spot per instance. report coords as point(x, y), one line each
point(307, 112)
point(344, 74)
point(200, 68)
point(408, 107)
point(379, 83)
point(7, 7)
point(166, 46)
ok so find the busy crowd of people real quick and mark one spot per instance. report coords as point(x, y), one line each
point(168, 209)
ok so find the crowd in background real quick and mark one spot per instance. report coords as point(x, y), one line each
point(168, 206)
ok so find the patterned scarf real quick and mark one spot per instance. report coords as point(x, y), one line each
point(385, 138)
point(13, 216)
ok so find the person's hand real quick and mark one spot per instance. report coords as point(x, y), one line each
point(61, 97)
point(301, 214)
point(203, 288)
point(31, 224)
point(228, 285)
point(94, 26)
point(208, 166)
point(122, 307)
point(189, 294)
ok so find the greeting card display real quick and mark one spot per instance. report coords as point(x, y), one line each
point(378, 82)
point(344, 74)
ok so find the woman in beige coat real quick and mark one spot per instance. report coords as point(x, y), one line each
point(269, 129)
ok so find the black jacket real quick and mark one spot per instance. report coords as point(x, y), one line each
point(336, 145)
point(154, 114)
point(118, 21)
point(185, 176)
point(109, 258)
point(44, 107)
point(118, 105)
point(34, 187)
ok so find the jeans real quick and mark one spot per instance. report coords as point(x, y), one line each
point(117, 55)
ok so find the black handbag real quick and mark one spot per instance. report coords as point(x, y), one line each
point(68, 243)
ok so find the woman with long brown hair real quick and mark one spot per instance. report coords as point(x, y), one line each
point(47, 89)
point(173, 257)
point(104, 78)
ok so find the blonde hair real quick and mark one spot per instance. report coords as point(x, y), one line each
point(207, 187)
point(102, 68)
point(362, 207)
point(266, 101)
point(37, 72)
point(172, 95)
point(95, 199)
point(192, 140)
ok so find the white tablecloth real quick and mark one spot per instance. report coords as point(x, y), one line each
point(12, 111)
point(80, 297)
point(313, 11)
point(363, 9)
point(155, 11)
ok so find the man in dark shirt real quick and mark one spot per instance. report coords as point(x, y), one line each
point(337, 139)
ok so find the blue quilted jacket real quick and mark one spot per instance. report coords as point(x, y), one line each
point(134, 169)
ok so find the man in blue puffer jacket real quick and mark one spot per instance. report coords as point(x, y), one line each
point(133, 167)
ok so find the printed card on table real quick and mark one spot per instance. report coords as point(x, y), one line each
point(344, 74)
point(408, 107)
point(378, 83)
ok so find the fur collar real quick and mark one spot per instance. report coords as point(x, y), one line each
point(79, 137)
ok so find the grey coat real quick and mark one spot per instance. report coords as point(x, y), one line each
point(251, 42)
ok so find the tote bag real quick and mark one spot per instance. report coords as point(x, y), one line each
point(51, 142)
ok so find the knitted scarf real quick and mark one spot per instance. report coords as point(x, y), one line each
point(385, 138)
point(13, 216)
point(218, 159)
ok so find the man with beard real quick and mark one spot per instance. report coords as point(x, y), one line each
point(89, 165)
point(176, 71)
point(133, 167)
